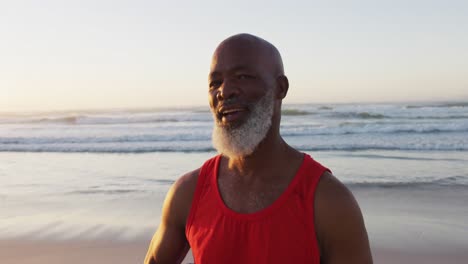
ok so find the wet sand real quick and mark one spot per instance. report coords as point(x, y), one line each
point(68, 215)
point(405, 225)
point(125, 252)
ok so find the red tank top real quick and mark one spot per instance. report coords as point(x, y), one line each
point(280, 233)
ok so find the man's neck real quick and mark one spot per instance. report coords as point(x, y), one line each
point(267, 156)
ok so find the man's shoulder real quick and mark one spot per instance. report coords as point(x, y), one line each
point(334, 199)
point(332, 191)
point(179, 199)
point(337, 213)
point(185, 185)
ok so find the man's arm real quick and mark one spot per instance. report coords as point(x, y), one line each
point(339, 223)
point(169, 244)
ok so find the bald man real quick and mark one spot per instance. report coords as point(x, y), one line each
point(259, 200)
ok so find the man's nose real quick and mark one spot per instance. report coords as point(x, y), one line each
point(228, 90)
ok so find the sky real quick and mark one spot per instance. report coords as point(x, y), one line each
point(58, 55)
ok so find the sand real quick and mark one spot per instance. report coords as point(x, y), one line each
point(16, 251)
point(44, 221)
point(119, 252)
point(404, 226)
point(71, 252)
point(385, 256)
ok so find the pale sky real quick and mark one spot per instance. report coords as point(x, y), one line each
point(57, 55)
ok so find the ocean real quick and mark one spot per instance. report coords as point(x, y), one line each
point(347, 127)
point(83, 174)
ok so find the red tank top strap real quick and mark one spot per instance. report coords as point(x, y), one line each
point(312, 174)
point(204, 176)
point(311, 171)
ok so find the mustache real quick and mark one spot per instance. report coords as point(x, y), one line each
point(234, 102)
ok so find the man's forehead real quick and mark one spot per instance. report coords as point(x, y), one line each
point(241, 53)
point(236, 59)
point(218, 70)
point(247, 52)
point(233, 62)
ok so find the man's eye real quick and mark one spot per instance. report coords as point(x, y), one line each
point(245, 76)
point(214, 84)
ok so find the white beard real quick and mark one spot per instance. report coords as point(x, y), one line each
point(243, 140)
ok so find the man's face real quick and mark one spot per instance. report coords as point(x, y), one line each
point(241, 99)
point(238, 79)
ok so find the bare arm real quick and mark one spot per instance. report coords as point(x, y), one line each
point(340, 226)
point(169, 244)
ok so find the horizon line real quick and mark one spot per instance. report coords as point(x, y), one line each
point(182, 107)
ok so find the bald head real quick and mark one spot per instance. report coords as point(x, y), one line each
point(257, 49)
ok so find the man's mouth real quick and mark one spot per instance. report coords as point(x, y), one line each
point(232, 114)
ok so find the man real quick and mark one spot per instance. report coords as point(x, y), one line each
point(260, 201)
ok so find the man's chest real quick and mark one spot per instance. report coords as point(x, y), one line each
point(245, 197)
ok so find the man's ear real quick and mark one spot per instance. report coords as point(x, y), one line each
point(283, 85)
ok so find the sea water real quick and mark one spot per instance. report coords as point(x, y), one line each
point(347, 127)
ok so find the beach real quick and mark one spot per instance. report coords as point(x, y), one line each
point(398, 234)
point(406, 224)
point(89, 187)
point(103, 251)
point(97, 251)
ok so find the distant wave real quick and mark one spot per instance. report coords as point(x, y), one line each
point(120, 188)
point(294, 112)
point(358, 115)
point(325, 108)
point(206, 147)
point(108, 120)
point(458, 181)
point(376, 156)
point(102, 149)
point(437, 117)
point(116, 139)
point(67, 120)
point(368, 115)
point(365, 147)
point(92, 120)
point(103, 120)
point(161, 181)
point(290, 132)
point(107, 192)
point(442, 105)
